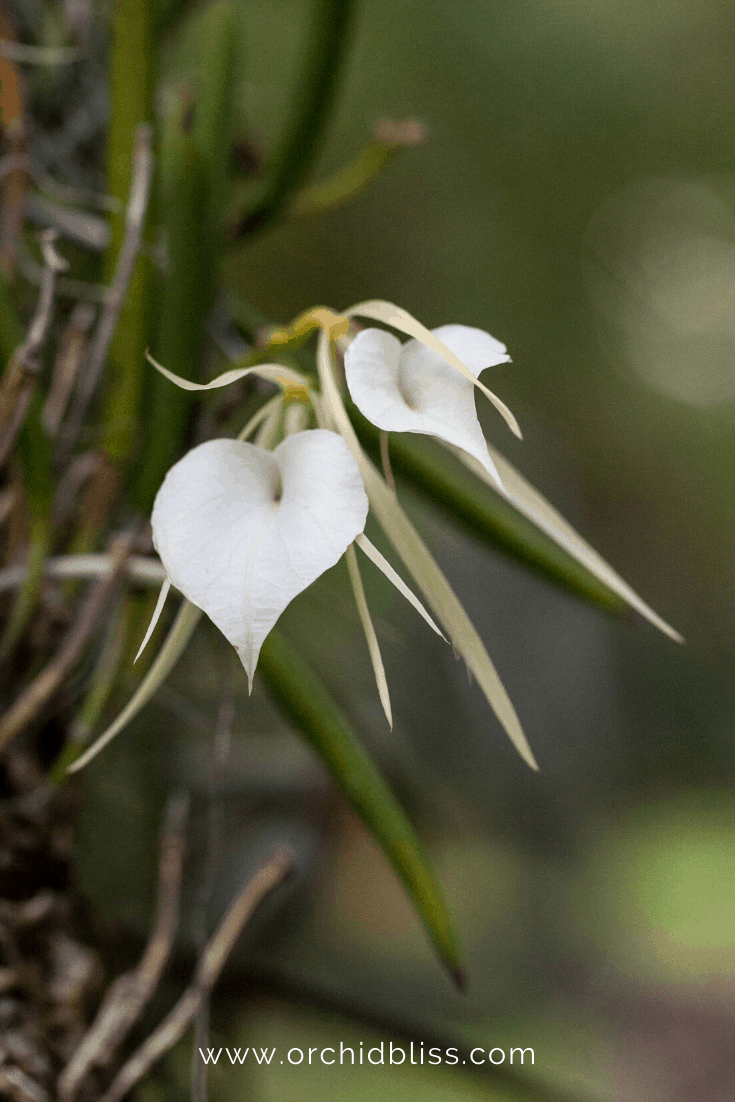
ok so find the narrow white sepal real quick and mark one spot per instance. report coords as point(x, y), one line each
point(241, 531)
point(173, 647)
point(370, 636)
point(412, 388)
point(422, 566)
point(528, 501)
point(257, 419)
point(382, 563)
point(274, 373)
point(267, 434)
point(154, 618)
point(390, 314)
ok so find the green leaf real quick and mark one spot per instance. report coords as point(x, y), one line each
point(131, 81)
point(184, 299)
point(306, 702)
point(329, 26)
point(443, 478)
point(213, 129)
point(194, 178)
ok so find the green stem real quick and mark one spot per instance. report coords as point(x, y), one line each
point(309, 706)
point(194, 182)
point(441, 478)
point(184, 301)
point(314, 99)
point(132, 76)
point(213, 127)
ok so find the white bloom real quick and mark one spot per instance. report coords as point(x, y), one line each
point(412, 388)
point(241, 530)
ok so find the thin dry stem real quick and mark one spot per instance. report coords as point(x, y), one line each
point(270, 874)
point(128, 996)
point(73, 346)
point(20, 375)
point(115, 295)
point(27, 706)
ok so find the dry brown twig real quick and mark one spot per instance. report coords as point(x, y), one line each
point(50, 679)
point(20, 375)
point(115, 295)
point(72, 350)
point(271, 873)
point(129, 994)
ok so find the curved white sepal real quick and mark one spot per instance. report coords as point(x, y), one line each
point(370, 636)
point(154, 618)
point(173, 647)
point(382, 564)
point(241, 531)
point(421, 564)
point(528, 501)
point(261, 415)
point(274, 373)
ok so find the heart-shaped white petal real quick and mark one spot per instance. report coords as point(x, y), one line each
point(241, 530)
point(411, 388)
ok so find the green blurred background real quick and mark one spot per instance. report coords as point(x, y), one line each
point(576, 198)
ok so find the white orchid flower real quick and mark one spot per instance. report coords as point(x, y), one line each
point(242, 529)
point(412, 388)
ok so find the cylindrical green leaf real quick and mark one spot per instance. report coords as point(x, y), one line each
point(132, 76)
point(194, 179)
point(307, 703)
point(313, 100)
point(184, 300)
point(213, 128)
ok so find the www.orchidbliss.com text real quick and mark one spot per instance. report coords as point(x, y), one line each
point(383, 1053)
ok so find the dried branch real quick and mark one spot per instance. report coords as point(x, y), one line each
point(115, 295)
point(39, 55)
point(139, 568)
point(128, 996)
point(7, 502)
point(72, 348)
point(42, 688)
point(71, 483)
point(20, 375)
point(270, 874)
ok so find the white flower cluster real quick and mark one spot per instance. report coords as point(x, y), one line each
point(242, 528)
